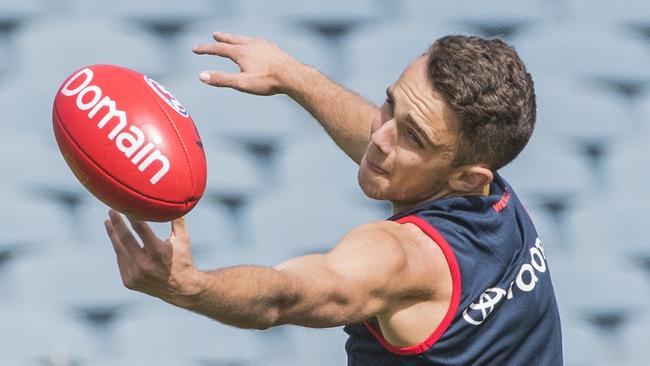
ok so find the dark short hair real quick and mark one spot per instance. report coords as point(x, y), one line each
point(490, 93)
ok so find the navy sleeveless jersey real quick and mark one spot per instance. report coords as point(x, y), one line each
point(502, 309)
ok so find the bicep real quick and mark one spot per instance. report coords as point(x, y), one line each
point(367, 271)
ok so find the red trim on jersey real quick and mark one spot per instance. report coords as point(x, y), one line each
point(455, 294)
point(503, 201)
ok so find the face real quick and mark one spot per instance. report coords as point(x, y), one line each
point(413, 137)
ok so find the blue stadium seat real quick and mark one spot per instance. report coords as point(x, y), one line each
point(293, 10)
point(305, 47)
point(331, 21)
point(626, 167)
point(9, 253)
point(20, 9)
point(580, 345)
point(317, 165)
point(92, 234)
point(317, 347)
point(382, 51)
point(236, 116)
point(39, 169)
point(93, 292)
point(88, 294)
point(213, 233)
point(233, 179)
point(503, 18)
point(36, 334)
point(27, 94)
point(371, 87)
point(287, 224)
point(232, 183)
point(159, 330)
point(186, 86)
point(5, 59)
point(163, 20)
point(29, 226)
point(553, 238)
point(210, 227)
point(594, 289)
point(580, 120)
point(151, 359)
point(642, 118)
point(275, 191)
point(83, 282)
point(258, 124)
point(548, 175)
point(616, 226)
point(14, 14)
point(634, 346)
point(583, 51)
point(33, 221)
point(621, 13)
point(27, 112)
point(70, 43)
point(215, 236)
point(165, 14)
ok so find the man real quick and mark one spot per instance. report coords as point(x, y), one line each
point(456, 277)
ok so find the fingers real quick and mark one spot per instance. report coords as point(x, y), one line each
point(123, 257)
point(224, 79)
point(218, 49)
point(117, 246)
point(121, 234)
point(225, 46)
point(145, 232)
point(230, 38)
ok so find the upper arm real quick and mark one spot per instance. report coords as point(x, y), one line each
point(373, 268)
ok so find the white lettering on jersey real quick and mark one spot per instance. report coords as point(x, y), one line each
point(526, 280)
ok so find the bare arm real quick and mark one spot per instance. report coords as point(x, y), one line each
point(345, 115)
point(373, 269)
point(267, 70)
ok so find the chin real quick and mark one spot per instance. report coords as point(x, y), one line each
point(372, 187)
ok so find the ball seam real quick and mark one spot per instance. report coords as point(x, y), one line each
point(178, 135)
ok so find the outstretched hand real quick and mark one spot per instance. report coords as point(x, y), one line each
point(265, 68)
point(160, 268)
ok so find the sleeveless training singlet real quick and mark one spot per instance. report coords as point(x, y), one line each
point(502, 310)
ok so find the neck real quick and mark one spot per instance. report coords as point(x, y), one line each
point(401, 206)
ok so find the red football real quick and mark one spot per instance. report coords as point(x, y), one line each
point(129, 142)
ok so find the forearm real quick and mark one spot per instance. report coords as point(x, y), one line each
point(244, 297)
point(345, 115)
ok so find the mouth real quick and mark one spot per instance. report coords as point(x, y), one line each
point(375, 168)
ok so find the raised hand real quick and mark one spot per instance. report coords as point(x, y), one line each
point(265, 68)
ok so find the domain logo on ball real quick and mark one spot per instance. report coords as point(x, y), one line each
point(165, 95)
point(128, 138)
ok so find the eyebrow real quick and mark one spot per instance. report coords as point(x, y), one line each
point(420, 130)
point(412, 122)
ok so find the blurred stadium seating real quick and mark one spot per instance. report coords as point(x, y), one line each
point(584, 175)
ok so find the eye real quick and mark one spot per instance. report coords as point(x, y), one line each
point(414, 137)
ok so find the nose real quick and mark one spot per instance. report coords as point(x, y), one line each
point(383, 136)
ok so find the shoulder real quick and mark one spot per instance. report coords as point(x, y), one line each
point(386, 237)
point(403, 252)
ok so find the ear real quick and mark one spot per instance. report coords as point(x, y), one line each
point(470, 179)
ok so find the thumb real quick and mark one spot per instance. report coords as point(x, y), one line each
point(216, 78)
point(179, 230)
